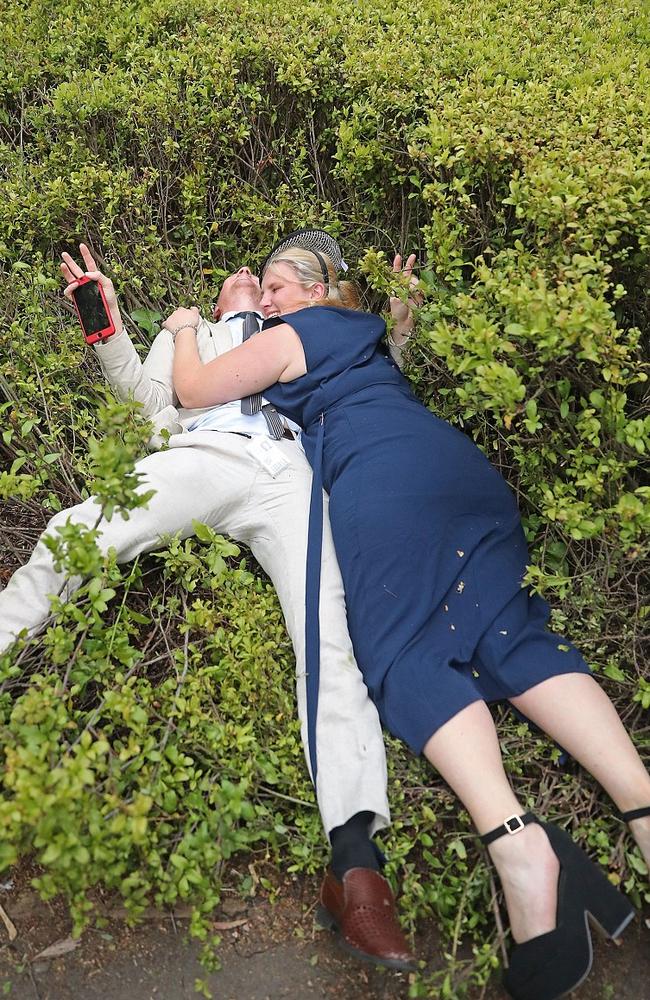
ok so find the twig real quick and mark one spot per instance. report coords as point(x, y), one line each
point(501, 937)
point(9, 924)
point(286, 798)
point(459, 912)
point(179, 686)
point(34, 983)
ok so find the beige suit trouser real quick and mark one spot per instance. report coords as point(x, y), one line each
point(209, 476)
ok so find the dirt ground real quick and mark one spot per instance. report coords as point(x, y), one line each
point(270, 950)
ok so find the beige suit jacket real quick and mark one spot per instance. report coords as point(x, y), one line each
point(150, 382)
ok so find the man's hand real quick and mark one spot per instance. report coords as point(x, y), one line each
point(402, 312)
point(71, 272)
point(182, 318)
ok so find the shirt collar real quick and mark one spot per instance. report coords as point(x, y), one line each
point(233, 312)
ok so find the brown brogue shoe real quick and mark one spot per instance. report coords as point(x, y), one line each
point(361, 910)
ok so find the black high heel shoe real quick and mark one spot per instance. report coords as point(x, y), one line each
point(551, 965)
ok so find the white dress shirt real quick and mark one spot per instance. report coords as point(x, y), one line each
point(228, 416)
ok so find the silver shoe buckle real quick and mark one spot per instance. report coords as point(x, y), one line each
point(514, 829)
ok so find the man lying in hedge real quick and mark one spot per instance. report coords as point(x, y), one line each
point(217, 471)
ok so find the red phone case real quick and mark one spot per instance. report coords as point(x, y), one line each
point(96, 335)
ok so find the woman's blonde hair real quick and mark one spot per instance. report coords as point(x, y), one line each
point(307, 268)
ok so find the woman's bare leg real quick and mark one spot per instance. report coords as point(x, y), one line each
point(575, 711)
point(465, 751)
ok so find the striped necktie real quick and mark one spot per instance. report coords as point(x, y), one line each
point(250, 405)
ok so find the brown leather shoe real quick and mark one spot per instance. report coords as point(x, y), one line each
point(361, 910)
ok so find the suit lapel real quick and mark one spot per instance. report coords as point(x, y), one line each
point(215, 339)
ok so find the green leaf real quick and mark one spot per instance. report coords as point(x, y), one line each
point(147, 319)
point(614, 672)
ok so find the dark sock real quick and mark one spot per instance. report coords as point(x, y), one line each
point(352, 846)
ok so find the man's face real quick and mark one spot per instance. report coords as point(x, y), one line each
point(239, 291)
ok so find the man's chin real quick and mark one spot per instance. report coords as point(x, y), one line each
point(247, 279)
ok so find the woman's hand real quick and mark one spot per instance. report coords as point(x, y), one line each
point(402, 312)
point(71, 272)
point(182, 318)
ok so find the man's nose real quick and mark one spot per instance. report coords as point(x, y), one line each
point(244, 270)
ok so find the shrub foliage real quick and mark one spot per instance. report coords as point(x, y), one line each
point(149, 734)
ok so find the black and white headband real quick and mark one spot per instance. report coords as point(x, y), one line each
point(316, 241)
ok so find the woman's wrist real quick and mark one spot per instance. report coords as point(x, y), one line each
point(400, 334)
point(183, 326)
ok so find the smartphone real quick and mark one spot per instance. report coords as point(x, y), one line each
point(92, 310)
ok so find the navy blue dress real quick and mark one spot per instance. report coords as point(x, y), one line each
point(427, 535)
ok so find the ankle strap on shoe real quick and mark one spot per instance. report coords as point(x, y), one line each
point(635, 814)
point(513, 824)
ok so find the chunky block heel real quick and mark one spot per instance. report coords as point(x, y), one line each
point(551, 965)
point(608, 909)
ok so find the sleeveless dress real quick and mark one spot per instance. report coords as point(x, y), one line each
point(427, 534)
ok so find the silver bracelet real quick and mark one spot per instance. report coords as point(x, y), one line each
point(183, 326)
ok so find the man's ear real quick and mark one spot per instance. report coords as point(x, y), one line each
point(216, 312)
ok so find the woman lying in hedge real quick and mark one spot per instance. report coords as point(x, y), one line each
point(432, 554)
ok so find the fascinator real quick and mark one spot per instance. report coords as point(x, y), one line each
point(316, 241)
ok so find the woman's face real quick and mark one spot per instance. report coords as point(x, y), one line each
point(281, 292)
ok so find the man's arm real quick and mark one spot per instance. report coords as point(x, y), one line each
point(149, 383)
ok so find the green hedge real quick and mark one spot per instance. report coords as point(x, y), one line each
point(150, 733)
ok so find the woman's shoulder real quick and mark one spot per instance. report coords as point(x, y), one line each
point(335, 314)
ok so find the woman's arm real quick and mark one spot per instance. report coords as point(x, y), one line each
point(402, 312)
point(274, 355)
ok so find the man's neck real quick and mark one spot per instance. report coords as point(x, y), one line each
point(242, 303)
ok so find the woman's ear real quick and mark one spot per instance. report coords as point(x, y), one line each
point(317, 291)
